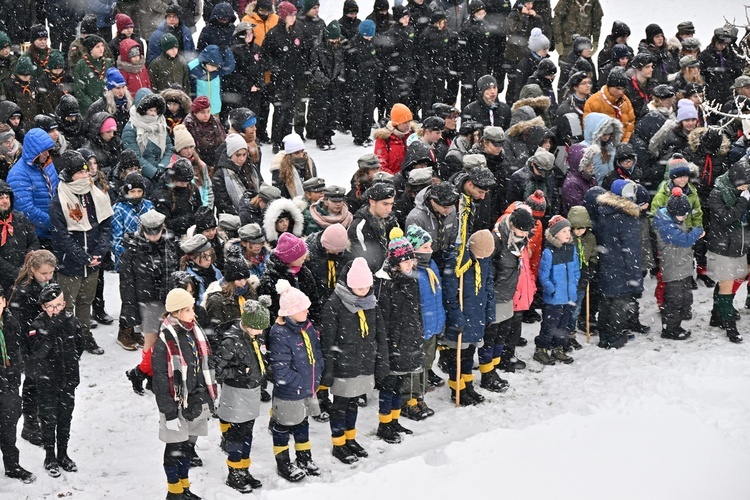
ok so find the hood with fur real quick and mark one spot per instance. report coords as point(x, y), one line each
point(178, 96)
point(594, 125)
point(695, 136)
point(520, 127)
point(274, 211)
point(618, 203)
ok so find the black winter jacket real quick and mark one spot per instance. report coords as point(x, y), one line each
point(728, 236)
point(56, 346)
point(237, 363)
point(369, 237)
point(303, 281)
point(497, 115)
point(320, 263)
point(107, 153)
point(179, 205)
point(10, 376)
point(13, 253)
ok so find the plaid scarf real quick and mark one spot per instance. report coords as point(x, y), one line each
point(177, 368)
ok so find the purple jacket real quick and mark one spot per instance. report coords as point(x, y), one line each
point(576, 184)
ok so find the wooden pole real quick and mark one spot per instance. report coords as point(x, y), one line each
point(460, 338)
point(588, 315)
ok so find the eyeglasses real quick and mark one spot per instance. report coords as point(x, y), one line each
point(53, 307)
point(205, 256)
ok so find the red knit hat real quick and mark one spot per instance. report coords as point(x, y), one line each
point(123, 22)
point(538, 203)
point(200, 103)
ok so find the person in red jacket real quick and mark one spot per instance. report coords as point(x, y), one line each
point(390, 141)
point(132, 65)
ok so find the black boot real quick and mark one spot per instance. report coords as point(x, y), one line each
point(18, 472)
point(344, 454)
point(51, 465)
point(305, 462)
point(136, 377)
point(31, 431)
point(388, 434)
point(189, 495)
point(573, 342)
point(325, 406)
point(473, 393)
point(434, 380)
point(531, 316)
point(356, 448)
point(492, 382)
point(90, 345)
point(236, 480)
point(400, 428)
point(101, 316)
point(286, 469)
point(706, 280)
point(732, 333)
point(249, 479)
point(66, 463)
point(195, 460)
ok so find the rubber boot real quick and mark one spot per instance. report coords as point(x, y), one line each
point(286, 469)
point(305, 462)
point(236, 480)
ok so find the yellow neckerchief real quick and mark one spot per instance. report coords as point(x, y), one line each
point(241, 302)
point(579, 244)
point(331, 274)
point(434, 281)
point(462, 267)
point(308, 346)
point(477, 277)
point(363, 327)
point(258, 355)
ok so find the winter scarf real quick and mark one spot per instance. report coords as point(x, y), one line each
point(130, 67)
point(325, 220)
point(176, 365)
point(7, 225)
point(74, 207)
point(729, 193)
point(149, 129)
point(235, 188)
point(357, 305)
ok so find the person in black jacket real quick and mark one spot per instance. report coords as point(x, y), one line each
point(400, 60)
point(328, 71)
point(240, 368)
point(487, 109)
point(434, 49)
point(354, 343)
point(349, 23)
point(474, 57)
point(536, 174)
point(219, 28)
point(104, 142)
point(329, 253)
point(56, 342)
point(720, 66)
point(178, 199)
point(372, 223)
point(11, 364)
point(363, 69)
point(17, 238)
point(70, 122)
point(243, 87)
point(81, 215)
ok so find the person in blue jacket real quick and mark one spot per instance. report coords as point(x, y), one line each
point(559, 273)
point(206, 72)
point(470, 307)
point(146, 133)
point(171, 24)
point(34, 181)
point(296, 360)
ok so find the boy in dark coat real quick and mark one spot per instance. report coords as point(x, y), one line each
point(328, 73)
point(363, 68)
point(243, 87)
point(372, 223)
point(169, 67)
point(434, 49)
point(56, 343)
point(21, 89)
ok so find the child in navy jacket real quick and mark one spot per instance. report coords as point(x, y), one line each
point(559, 272)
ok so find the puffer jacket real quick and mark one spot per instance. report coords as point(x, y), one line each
point(56, 346)
point(153, 160)
point(576, 185)
point(478, 301)
point(559, 271)
point(524, 182)
point(136, 75)
point(296, 360)
point(237, 360)
point(729, 235)
point(107, 153)
point(621, 110)
point(187, 46)
point(390, 148)
point(675, 242)
point(209, 84)
point(216, 32)
point(431, 297)
point(33, 185)
point(498, 114)
point(179, 205)
point(145, 270)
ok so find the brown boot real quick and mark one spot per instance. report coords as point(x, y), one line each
point(126, 339)
point(138, 337)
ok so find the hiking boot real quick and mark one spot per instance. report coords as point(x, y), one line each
point(542, 355)
point(344, 454)
point(305, 462)
point(400, 428)
point(559, 355)
point(473, 393)
point(678, 334)
point(573, 342)
point(18, 472)
point(531, 316)
point(613, 342)
point(286, 469)
point(492, 382)
point(356, 448)
point(434, 380)
point(236, 481)
point(101, 316)
point(31, 431)
point(426, 410)
point(388, 434)
point(126, 339)
point(90, 345)
point(706, 280)
point(412, 412)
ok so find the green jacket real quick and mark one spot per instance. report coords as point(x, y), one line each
point(576, 17)
point(88, 85)
point(694, 218)
point(165, 70)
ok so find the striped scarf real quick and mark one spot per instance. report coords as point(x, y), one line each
point(177, 368)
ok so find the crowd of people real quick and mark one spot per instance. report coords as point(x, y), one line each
point(140, 154)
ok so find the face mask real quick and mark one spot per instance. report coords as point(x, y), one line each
point(135, 201)
point(262, 16)
point(299, 162)
point(423, 258)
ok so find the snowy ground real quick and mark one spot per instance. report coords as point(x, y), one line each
point(655, 420)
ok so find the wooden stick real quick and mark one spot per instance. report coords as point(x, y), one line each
point(588, 315)
point(459, 341)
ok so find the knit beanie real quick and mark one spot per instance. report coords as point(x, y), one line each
point(242, 118)
point(71, 162)
point(255, 313)
point(739, 172)
point(641, 59)
point(678, 204)
point(181, 170)
point(235, 142)
point(236, 268)
point(335, 238)
point(485, 82)
point(289, 248)
point(199, 104)
point(56, 60)
point(522, 219)
point(168, 41)
point(417, 236)
point(399, 248)
point(678, 166)
point(286, 9)
point(619, 51)
point(88, 25)
point(624, 188)
point(367, 28)
point(133, 180)
point(619, 29)
point(537, 40)
point(204, 219)
point(556, 224)
point(686, 110)
point(651, 31)
point(4, 40)
point(332, 31)
point(359, 275)
point(291, 300)
point(350, 6)
point(178, 299)
point(182, 138)
point(123, 22)
point(6, 132)
point(617, 78)
point(293, 143)
point(114, 79)
point(482, 244)
point(309, 4)
point(49, 293)
point(37, 31)
point(24, 66)
point(91, 41)
point(108, 125)
point(400, 113)
point(537, 202)
point(128, 159)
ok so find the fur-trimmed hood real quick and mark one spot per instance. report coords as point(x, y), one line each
point(695, 136)
point(178, 96)
point(538, 104)
point(521, 127)
point(385, 132)
point(594, 125)
point(619, 203)
point(552, 240)
point(274, 211)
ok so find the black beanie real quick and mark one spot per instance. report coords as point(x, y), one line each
point(204, 220)
point(49, 293)
point(651, 31)
point(236, 268)
point(678, 204)
point(522, 219)
point(128, 159)
point(71, 162)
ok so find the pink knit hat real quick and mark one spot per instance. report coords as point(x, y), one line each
point(109, 125)
point(289, 248)
point(334, 238)
point(359, 275)
point(291, 300)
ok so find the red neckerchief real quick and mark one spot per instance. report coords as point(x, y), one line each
point(7, 226)
point(637, 88)
point(708, 170)
point(99, 73)
point(618, 110)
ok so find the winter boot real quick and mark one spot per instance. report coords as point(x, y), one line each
point(305, 462)
point(677, 334)
point(509, 362)
point(249, 479)
point(189, 495)
point(236, 480)
point(66, 463)
point(400, 428)
point(325, 405)
point(492, 382)
point(18, 472)
point(387, 433)
point(542, 355)
point(707, 281)
point(473, 393)
point(729, 323)
point(126, 339)
point(51, 465)
point(573, 342)
point(434, 380)
point(531, 316)
point(138, 337)
point(522, 342)
point(100, 316)
point(559, 355)
point(426, 410)
point(732, 333)
point(90, 345)
point(31, 431)
point(286, 469)
point(361, 400)
point(136, 377)
point(344, 454)
point(195, 460)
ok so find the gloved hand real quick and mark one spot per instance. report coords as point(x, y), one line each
point(746, 194)
point(173, 425)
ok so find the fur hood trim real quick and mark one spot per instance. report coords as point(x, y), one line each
point(624, 205)
point(552, 240)
point(273, 212)
point(521, 127)
point(694, 140)
point(385, 132)
point(177, 96)
point(538, 104)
